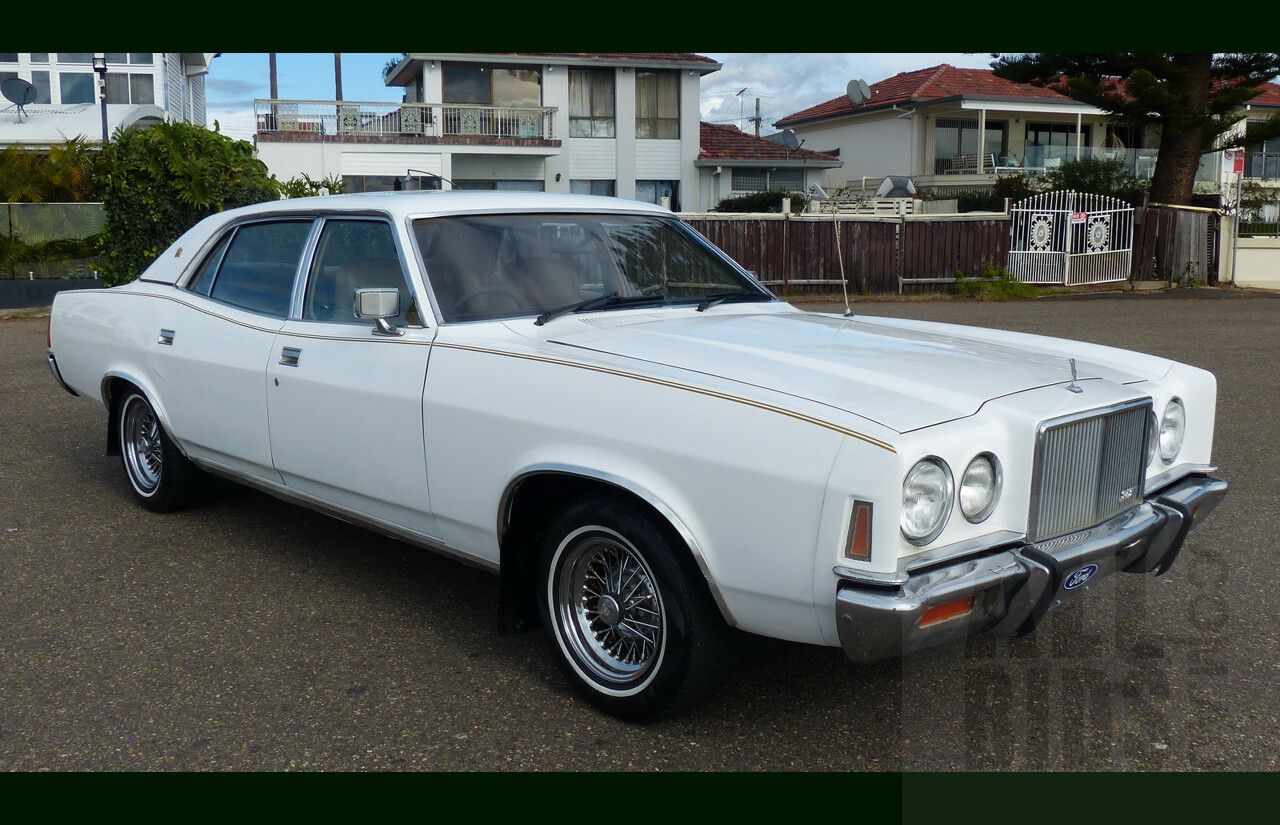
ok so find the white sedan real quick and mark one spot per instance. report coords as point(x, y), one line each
point(653, 452)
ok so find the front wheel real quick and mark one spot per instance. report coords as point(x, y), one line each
point(161, 478)
point(629, 614)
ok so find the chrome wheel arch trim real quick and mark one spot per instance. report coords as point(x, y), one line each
point(647, 496)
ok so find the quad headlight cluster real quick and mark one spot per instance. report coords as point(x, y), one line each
point(1166, 432)
point(929, 495)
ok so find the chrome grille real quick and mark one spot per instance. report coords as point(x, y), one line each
point(1089, 467)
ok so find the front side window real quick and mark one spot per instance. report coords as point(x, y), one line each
point(484, 267)
point(591, 103)
point(253, 267)
point(351, 255)
point(658, 104)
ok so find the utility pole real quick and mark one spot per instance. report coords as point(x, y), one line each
point(337, 74)
point(757, 117)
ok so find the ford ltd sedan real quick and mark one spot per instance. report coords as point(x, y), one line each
point(653, 452)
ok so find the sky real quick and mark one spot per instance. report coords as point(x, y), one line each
point(785, 83)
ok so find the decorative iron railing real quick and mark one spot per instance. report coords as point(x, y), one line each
point(439, 120)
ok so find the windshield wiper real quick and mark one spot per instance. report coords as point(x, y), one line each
point(613, 299)
point(732, 297)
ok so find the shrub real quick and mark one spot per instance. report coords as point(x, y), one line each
point(998, 284)
point(1099, 176)
point(156, 183)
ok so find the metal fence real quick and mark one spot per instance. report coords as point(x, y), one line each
point(49, 240)
point(1070, 238)
point(323, 118)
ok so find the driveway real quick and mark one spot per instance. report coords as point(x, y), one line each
point(249, 634)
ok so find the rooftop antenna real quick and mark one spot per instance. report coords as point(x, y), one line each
point(741, 112)
point(19, 92)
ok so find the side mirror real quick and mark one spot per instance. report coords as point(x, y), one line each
point(379, 304)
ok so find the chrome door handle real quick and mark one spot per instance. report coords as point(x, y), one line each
point(289, 356)
point(166, 337)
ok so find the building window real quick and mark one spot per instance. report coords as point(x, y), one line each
point(591, 103)
point(764, 179)
point(1054, 142)
point(75, 87)
point(605, 188)
point(952, 138)
point(8, 57)
point(75, 57)
point(502, 185)
point(658, 105)
point(497, 86)
point(1263, 161)
point(39, 57)
point(130, 88)
point(492, 86)
point(40, 80)
point(653, 191)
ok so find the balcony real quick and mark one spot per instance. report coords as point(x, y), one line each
point(964, 171)
point(338, 120)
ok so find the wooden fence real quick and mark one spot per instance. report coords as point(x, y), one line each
point(879, 253)
point(923, 252)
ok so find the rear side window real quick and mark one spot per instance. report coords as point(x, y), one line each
point(254, 267)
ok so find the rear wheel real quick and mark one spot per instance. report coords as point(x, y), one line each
point(161, 478)
point(629, 614)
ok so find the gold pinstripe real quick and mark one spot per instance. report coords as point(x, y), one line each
point(808, 419)
point(799, 416)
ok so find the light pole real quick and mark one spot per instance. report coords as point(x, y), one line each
point(100, 66)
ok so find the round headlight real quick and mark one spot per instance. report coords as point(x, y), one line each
point(980, 487)
point(926, 500)
point(1173, 426)
point(1153, 438)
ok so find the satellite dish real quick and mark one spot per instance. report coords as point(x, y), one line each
point(896, 186)
point(18, 91)
point(790, 140)
point(858, 91)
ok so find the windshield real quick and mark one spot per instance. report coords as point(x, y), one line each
point(505, 266)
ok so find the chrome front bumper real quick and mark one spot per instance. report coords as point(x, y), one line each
point(1013, 588)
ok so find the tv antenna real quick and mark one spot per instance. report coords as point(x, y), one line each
point(19, 92)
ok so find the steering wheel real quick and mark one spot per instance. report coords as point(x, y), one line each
point(459, 305)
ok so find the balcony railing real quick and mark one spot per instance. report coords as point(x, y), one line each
point(1141, 163)
point(342, 117)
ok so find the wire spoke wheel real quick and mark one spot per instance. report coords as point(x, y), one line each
point(608, 610)
point(141, 445)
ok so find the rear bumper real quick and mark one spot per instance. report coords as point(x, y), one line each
point(53, 367)
point(1012, 589)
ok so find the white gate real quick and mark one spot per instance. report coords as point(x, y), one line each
point(1070, 238)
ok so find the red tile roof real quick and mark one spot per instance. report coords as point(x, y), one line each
point(940, 82)
point(923, 86)
point(729, 143)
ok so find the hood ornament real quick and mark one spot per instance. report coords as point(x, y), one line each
point(1073, 386)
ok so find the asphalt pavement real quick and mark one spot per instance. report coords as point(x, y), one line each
point(249, 634)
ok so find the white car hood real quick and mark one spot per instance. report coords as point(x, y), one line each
point(900, 374)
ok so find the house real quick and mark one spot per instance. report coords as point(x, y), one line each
point(732, 163)
point(623, 124)
point(952, 129)
point(63, 99)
